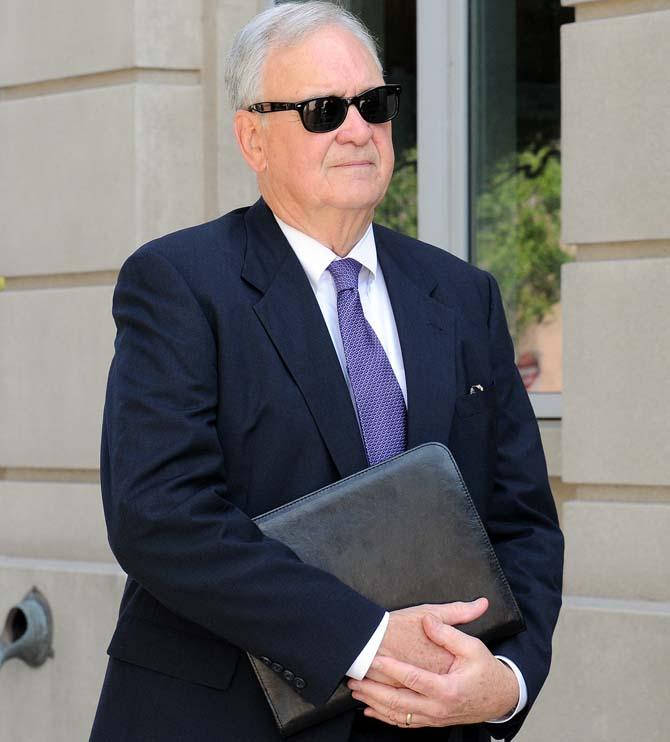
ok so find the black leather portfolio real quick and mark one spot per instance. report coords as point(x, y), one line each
point(402, 533)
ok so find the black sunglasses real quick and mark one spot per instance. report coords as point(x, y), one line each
point(318, 115)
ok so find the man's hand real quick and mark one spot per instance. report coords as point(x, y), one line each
point(477, 688)
point(406, 640)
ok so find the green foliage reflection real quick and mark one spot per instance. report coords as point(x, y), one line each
point(518, 226)
point(518, 234)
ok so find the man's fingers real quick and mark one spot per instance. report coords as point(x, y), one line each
point(399, 720)
point(379, 677)
point(393, 704)
point(451, 639)
point(382, 696)
point(417, 720)
point(459, 613)
point(409, 676)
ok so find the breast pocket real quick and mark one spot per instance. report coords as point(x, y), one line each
point(468, 405)
point(472, 441)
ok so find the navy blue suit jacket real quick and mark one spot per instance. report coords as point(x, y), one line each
point(226, 399)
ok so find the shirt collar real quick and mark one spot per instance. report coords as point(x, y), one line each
point(316, 257)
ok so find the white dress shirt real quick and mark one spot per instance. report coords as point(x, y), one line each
point(315, 259)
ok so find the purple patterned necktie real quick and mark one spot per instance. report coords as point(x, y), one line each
point(379, 401)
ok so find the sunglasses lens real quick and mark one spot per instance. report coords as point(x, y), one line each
point(323, 114)
point(379, 105)
point(376, 107)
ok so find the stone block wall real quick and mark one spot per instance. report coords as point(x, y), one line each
point(609, 680)
point(115, 129)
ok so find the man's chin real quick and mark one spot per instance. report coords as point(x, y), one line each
point(354, 205)
point(357, 198)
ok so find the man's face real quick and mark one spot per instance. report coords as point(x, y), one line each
point(349, 168)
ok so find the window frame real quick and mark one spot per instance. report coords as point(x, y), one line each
point(443, 167)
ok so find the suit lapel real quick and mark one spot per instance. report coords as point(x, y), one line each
point(290, 314)
point(426, 330)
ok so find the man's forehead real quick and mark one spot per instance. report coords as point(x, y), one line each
point(331, 61)
point(324, 90)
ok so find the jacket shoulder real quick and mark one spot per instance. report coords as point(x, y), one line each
point(221, 239)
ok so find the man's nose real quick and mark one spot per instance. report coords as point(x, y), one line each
point(354, 128)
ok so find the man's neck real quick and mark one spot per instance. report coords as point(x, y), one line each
point(337, 229)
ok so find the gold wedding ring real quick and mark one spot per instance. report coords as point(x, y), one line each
point(408, 720)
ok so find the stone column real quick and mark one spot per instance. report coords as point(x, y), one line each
point(612, 649)
point(113, 131)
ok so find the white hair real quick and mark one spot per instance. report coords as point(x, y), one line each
point(279, 27)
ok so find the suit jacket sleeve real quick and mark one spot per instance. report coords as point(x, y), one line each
point(521, 518)
point(169, 523)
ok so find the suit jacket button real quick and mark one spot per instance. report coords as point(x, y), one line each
point(277, 667)
point(288, 675)
point(265, 660)
point(299, 683)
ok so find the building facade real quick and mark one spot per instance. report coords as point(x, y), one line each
point(115, 128)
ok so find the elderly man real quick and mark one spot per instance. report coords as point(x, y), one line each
point(273, 351)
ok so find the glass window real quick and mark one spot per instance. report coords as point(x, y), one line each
point(515, 172)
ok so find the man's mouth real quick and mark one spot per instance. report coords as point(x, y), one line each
point(354, 163)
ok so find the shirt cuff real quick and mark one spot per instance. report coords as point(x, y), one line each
point(523, 692)
point(361, 664)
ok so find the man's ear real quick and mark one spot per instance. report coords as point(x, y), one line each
point(248, 133)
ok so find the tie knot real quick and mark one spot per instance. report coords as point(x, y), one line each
point(345, 273)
